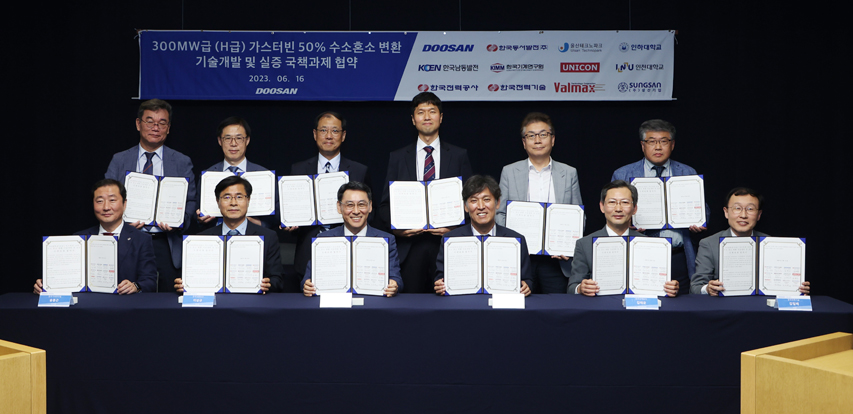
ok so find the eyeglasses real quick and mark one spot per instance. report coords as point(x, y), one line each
point(239, 197)
point(350, 206)
point(323, 131)
point(239, 139)
point(654, 142)
point(750, 210)
point(150, 124)
point(612, 203)
point(530, 136)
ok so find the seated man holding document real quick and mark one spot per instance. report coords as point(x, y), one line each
point(482, 196)
point(233, 194)
point(618, 203)
point(355, 202)
point(137, 269)
point(742, 210)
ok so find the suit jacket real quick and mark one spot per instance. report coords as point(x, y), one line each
point(393, 263)
point(135, 257)
point(270, 222)
point(272, 253)
point(582, 261)
point(708, 258)
point(357, 172)
point(500, 231)
point(175, 164)
point(401, 167)
point(636, 170)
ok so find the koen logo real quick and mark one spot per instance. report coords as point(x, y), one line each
point(497, 67)
point(492, 48)
point(576, 67)
point(448, 48)
point(423, 87)
point(276, 91)
point(429, 68)
point(493, 87)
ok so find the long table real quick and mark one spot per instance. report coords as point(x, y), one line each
point(412, 353)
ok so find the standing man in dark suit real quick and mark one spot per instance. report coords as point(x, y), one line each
point(233, 135)
point(355, 202)
point(427, 159)
point(742, 210)
point(137, 271)
point(233, 194)
point(657, 140)
point(482, 196)
point(153, 121)
point(618, 203)
point(542, 179)
point(330, 131)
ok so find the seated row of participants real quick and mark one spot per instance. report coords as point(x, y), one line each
point(150, 256)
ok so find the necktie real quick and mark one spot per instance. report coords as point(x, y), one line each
point(328, 167)
point(233, 232)
point(233, 169)
point(429, 164)
point(148, 168)
point(658, 170)
point(108, 234)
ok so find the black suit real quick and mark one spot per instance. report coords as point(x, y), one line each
point(417, 254)
point(500, 231)
point(272, 254)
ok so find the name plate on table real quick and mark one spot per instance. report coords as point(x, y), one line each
point(336, 300)
point(56, 300)
point(198, 300)
point(507, 301)
point(641, 302)
point(794, 303)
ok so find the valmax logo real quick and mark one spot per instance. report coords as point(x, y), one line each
point(492, 48)
point(276, 91)
point(578, 87)
point(493, 87)
point(429, 68)
point(577, 67)
point(448, 48)
point(423, 87)
point(497, 67)
point(564, 48)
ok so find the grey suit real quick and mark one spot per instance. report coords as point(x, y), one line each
point(582, 263)
point(708, 258)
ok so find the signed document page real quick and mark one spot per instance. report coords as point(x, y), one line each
point(463, 265)
point(408, 205)
point(326, 196)
point(609, 264)
point(262, 202)
point(738, 264)
point(244, 264)
point(782, 265)
point(445, 202)
point(651, 205)
point(203, 264)
point(369, 265)
point(141, 197)
point(649, 265)
point(563, 228)
point(172, 201)
point(207, 203)
point(502, 265)
point(527, 218)
point(64, 263)
point(331, 269)
point(296, 200)
point(685, 197)
point(102, 264)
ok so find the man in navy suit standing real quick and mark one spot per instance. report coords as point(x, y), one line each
point(136, 269)
point(355, 202)
point(428, 158)
point(150, 156)
point(657, 140)
point(233, 135)
point(330, 132)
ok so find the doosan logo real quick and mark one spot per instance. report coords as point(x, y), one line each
point(448, 48)
point(577, 67)
point(276, 91)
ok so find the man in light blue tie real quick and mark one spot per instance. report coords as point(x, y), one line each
point(657, 140)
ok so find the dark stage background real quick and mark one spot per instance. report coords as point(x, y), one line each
point(757, 90)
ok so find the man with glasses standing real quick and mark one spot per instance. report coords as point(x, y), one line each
point(539, 178)
point(619, 204)
point(330, 131)
point(657, 140)
point(150, 156)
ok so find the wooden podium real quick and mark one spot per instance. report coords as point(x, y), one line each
point(22, 379)
point(812, 375)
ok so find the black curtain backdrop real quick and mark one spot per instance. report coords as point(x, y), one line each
point(757, 88)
